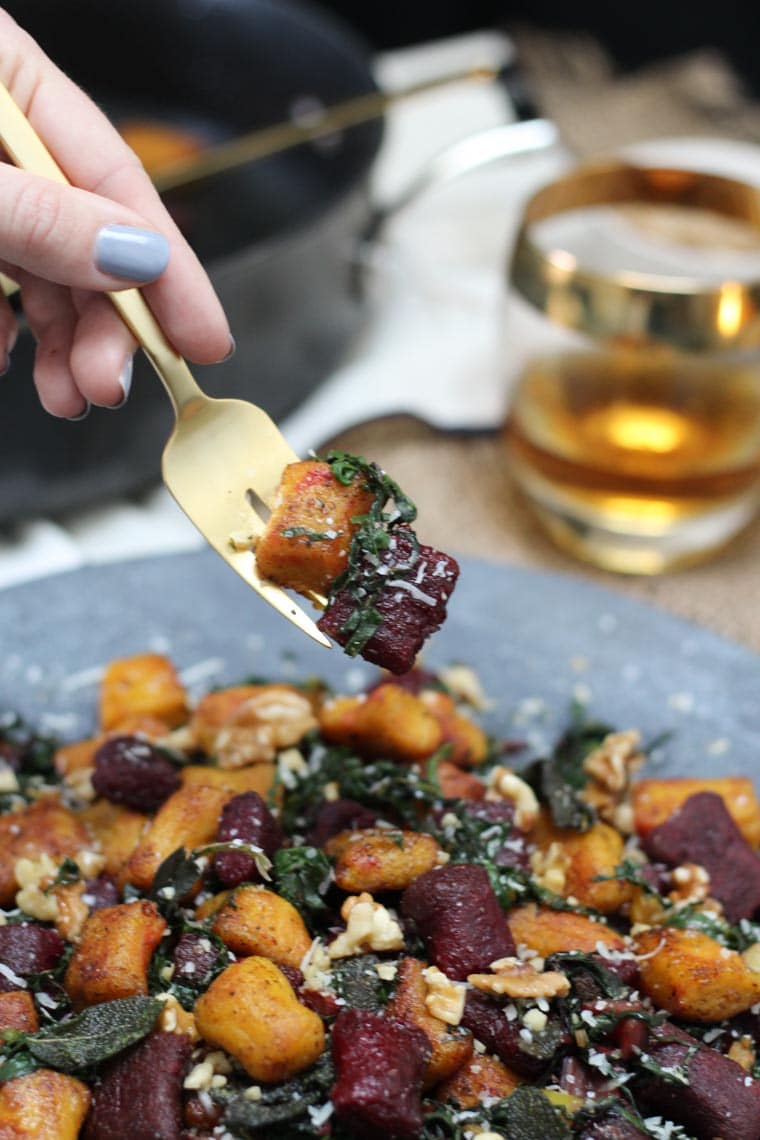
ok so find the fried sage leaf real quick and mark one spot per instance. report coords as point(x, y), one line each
point(528, 1113)
point(283, 1108)
point(96, 1034)
point(560, 779)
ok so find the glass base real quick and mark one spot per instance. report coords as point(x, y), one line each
point(630, 544)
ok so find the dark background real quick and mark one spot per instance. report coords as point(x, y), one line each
point(635, 32)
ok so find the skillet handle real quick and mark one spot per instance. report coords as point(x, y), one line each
point(508, 140)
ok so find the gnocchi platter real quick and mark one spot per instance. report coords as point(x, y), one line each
point(254, 888)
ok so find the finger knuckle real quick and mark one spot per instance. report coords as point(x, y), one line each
point(36, 216)
point(125, 181)
point(38, 309)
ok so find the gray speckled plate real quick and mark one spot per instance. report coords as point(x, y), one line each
point(537, 641)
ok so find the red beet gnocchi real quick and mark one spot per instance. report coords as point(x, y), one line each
point(246, 821)
point(132, 772)
point(457, 914)
point(404, 931)
point(410, 607)
point(331, 533)
point(379, 1068)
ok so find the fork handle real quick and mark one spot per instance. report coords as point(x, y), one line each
point(28, 152)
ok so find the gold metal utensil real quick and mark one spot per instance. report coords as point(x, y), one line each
point(267, 141)
point(221, 453)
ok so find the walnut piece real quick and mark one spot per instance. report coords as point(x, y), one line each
point(369, 926)
point(612, 763)
point(263, 724)
point(504, 784)
point(33, 876)
point(465, 686)
point(520, 979)
point(175, 1019)
point(743, 1052)
point(751, 957)
point(692, 884)
point(445, 998)
point(611, 766)
point(549, 867)
point(315, 967)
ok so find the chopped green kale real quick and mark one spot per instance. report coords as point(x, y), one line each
point(382, 784)
point(366, 575)
point(301, 875)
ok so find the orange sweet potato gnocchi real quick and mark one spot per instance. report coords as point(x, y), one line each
point(115, 831)
point(693, 976)
point(44, 1105)
point(381, 859)
point(553, 932)
point(18, 1011)
point(188, 818)
point(479, 1079)
point(312, 502)
point(466, 741)
point(389, 721)
point(113, 955)
point(577, 862)
point(256, 921)
point(451, 1045)
point(251, 1011)
point(145, 685)
point(44, 827)
point(258, 778)
point(456, 783)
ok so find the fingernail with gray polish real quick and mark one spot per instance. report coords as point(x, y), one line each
point(231, 353)
point(131, 254)
point(82, 415)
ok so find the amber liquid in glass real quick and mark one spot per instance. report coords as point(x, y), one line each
point(638, 461)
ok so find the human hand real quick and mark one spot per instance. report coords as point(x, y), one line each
point(68, 246)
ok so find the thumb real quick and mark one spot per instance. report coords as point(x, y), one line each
point(72, 237)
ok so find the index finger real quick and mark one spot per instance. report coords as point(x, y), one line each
point(94, 157)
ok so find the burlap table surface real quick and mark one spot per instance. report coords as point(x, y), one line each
point(468, 503)
point(598, 109)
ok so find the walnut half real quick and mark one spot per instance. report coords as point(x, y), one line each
point(520, 979)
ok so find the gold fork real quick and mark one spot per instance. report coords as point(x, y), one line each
point(221, 453)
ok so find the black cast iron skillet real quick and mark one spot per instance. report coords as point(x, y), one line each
point(278, 237)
